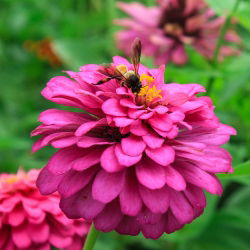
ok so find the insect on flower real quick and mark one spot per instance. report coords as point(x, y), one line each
point(129, 78)
point(136, 158)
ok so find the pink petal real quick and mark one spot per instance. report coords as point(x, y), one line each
point(147, 217)
point(126, 102)
point(34, 212)
point(146, 116)
point(91, 158)
point(120, 60)
point(82, 205)
point(39, 233)
point(139, 12)
point(8, 205)
point(64, 142)
point(21, 237)
point(109, 218)
point(177, 99)
point(150, 174)
point(180, 207)
point(200, 178)
point(107, 186)
point(154, 231)
point(177, 116)
point(134, 113)
point(60, 137)
point(87, 126)
point(109, 160)
point(138, 128)
point(171, 134)
point(130, 200)
point(153, 140)
point(74, 181)
point(113, 107)
point(125, 160)
point(179, 55)
point(61, 90)
point(87, 141)
point(122, 121)
point(17, 216)
point(128, 226)
point(62, 117)
point(174, 179)
point(58, 240)
point(197, 198)
point(132, 145)
point(189, 89)
point(89, 98)
point(163, 155)
point(161, 109)
point(172, 223)
point(48, 182)
point(161, 122)
point(61, 161)
point(156, 200)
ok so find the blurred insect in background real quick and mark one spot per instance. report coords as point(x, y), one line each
point(44, 51)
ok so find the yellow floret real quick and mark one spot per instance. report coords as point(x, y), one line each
point(150, 93)
point(149, 79)
point(11, 179)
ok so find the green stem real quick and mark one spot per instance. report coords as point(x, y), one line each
point(219, 44)
point(91, 238)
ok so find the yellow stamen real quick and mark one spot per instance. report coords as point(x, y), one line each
point(150, 93)
point(173, 29)
point(11, 179)
point(149, 79)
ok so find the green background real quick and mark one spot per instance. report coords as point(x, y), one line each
point(82, 32)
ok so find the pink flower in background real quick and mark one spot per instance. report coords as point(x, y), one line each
point(31, 221)
point(131, 162)
point(166, 29)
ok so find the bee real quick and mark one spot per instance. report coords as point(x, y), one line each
point(128, 78)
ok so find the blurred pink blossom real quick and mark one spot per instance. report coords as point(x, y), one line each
point(131, 162)
point(31, 221)
point(166, 29)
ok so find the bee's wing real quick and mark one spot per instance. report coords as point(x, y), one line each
point(111, 73)
point(136, 54)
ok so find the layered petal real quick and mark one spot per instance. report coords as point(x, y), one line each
point(36, 221)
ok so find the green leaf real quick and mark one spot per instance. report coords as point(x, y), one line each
point(229, 228)
point(241, 170)
point(77, 52)
point(220, 7)
point(198, 225)
point(243, 16)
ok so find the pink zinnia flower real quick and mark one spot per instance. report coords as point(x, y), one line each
point(165, 30)
point(131, 162)
point(31, 221)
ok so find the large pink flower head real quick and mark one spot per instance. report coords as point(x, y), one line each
point(31, 221)
point(131, 161)
point(166, 29)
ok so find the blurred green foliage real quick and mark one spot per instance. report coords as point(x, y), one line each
point(82, 32)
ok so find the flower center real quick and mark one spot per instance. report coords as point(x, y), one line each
point(107, 132)
point(148, 93)
point(173, 29)
point(9, 180)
